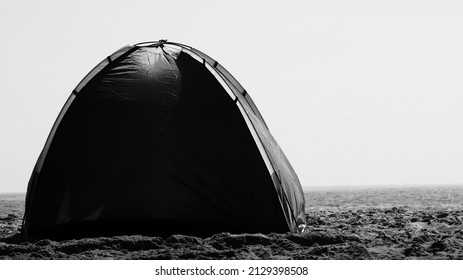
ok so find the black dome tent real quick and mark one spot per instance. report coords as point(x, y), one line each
point(160, 139)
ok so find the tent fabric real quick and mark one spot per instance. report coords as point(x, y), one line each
point(160, 139)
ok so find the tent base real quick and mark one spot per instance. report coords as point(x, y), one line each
point(161, 228)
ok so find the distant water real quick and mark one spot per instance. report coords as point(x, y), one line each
point(12, 203)
point(363, 197)
point(336, 198)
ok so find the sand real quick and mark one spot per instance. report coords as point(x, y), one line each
point(402, 232)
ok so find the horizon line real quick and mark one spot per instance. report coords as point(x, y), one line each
point(333, 186)
point(387, 185)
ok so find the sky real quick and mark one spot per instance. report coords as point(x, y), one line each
point(355, 92)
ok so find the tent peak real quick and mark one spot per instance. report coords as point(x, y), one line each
point(159, 43)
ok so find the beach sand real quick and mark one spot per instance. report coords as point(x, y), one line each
point(339, 226)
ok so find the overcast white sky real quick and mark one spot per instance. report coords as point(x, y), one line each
point(355, 92)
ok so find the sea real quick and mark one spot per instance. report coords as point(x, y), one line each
point(414, 197)
point(336, 198)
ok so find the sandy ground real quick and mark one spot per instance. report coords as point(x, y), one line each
point(390, 233)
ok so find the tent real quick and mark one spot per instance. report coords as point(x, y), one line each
point(160, 139)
